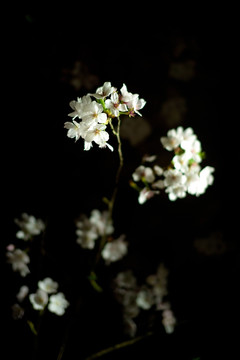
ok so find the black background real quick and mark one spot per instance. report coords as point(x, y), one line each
point(49, 176)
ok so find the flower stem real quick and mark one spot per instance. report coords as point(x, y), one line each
point(111, 202)
point(118, 346)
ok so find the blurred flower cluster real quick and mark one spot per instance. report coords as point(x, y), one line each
point(134, 298)
point(183, 175)
point(19, 258)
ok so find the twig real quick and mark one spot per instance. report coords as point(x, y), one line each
point(118, 346)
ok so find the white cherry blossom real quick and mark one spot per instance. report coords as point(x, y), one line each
point(169, 321)
point(115, 250)
point(131, 100)
point(48, 285)
point(74, 129)
point(173, 139)
point(95, 114)
point(97, 134)
point(114, 105)
point(145, 173)
point(144, 298)
point(39, 299)
point(174, 177)
point(80, 107)
point(22, 293)
point(58, 303)
point(104, 91)
point(30, 226)
point(19, 260)
point(146, 194)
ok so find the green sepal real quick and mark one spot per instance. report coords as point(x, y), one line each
point(32, 327)
point(93, 281)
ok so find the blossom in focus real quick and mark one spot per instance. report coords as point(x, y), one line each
point(74, 129)
point(114, 105)
point(132, 101)
point(19, 260)
point(80, 107)
point(103, 91)
point(29, 226)
point(95, 115)
point(39, 299)
point(97, 134)
point(58, 304)
point(115, 250)
point(48, 285)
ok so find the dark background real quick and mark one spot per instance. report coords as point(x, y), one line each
point(49, 176)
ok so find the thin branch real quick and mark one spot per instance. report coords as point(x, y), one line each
point(118, 346)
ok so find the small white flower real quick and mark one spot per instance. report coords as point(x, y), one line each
point(39, 299)
point(114, 105)
point(188, 138)
point(23, 292)
point(149, 158)
point(168, 321)
point(48, 285)
point(145, 298)
point(19, 260)
point(86, 232)
point(95, 114)
point(173, 139)
point(126, 280)
point(132, 101)
point(104, 91)
point(30, 226)
point(143, 173)
point(115, 250)
point(80, 107)
point(178, 191)
point(146, 194)
point(158, 170)
point(17, 312)
point(181, 162)
point(74, 129)
point(174, 177)
point(97, 134)
point(58, 304)
point(194, 149)
point(102, 223)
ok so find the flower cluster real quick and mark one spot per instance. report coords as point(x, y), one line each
point(98, 225)
point(95, 115)
point(46, 294)
point(56, 303)
point(183, 175)
point(29, 227)
point(135, 298)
